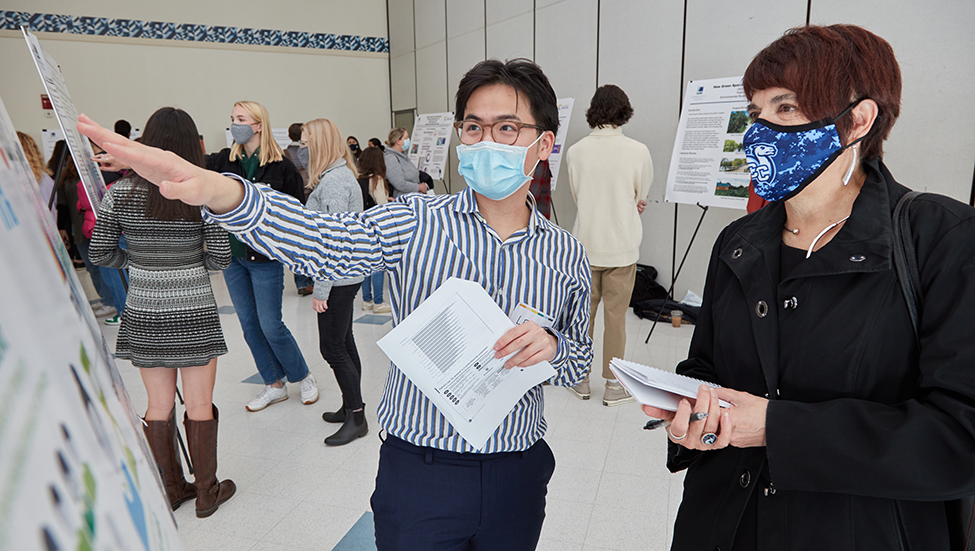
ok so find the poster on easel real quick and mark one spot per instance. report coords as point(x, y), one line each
point(555, 159)
point(75, 469)
point(64, 110)
point(708, 165)
point(430, 142)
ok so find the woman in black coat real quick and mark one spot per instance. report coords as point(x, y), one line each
point(844, 430)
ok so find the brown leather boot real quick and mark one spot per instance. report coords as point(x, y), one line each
point(201, 438)
point(162, 441)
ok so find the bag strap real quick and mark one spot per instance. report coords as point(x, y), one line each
point(905, 257)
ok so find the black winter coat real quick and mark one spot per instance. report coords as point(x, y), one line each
point(867, 432)
point(279, 175)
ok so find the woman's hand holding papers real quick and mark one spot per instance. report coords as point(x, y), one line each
point(742, 425)
point(536, 345)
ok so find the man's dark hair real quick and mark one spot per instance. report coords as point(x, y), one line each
point(609, 107)
point(294, 131)
point(122, 127)
point(525, 77)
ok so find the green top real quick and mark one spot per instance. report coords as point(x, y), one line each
point(250, 166)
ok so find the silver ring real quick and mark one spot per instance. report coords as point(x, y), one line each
point(675, 437)
point(708, 438)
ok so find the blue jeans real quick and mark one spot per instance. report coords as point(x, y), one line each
point(95, 272)
point(303, 281)
point(112, 278)
point(256, 289)
point(372, 287)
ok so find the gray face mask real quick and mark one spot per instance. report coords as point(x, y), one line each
point(303, 157)
point(242, 133)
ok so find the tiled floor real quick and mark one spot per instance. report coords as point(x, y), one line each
point(610, 491)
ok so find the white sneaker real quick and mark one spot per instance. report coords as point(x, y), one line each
point(104, 310)
point(381, 309)
point(267, 396)
point(309, 389)
point(367, 306)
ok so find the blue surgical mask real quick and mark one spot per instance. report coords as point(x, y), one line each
point(406, 144)
point(783, 160)
point(492, 169)
point(304, 158)
point(242, 133)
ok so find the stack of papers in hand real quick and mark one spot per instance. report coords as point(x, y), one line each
point(654, 387)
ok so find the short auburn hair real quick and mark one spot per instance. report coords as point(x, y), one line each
point(829, 68)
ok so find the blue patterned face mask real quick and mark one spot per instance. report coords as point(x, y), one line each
point(783, 160)
point(494, 170)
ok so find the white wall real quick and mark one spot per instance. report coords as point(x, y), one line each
point(113, 78)
point(651, 49)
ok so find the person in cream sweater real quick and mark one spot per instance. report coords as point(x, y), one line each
point(610, 176)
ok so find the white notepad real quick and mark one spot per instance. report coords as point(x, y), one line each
point(655, 387)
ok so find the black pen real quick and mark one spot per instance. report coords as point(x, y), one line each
point(657, 423)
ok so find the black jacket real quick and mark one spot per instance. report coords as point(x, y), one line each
point(868, 433)
point(279, 175)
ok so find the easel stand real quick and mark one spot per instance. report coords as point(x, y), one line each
point(670, 292)
point(179, 435)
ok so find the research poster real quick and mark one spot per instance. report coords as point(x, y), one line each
point(430, 141)
point(555, 159)
point(67, 115)
point(75, 470)
point(708, 164)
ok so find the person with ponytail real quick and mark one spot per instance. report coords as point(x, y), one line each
point(375, 191)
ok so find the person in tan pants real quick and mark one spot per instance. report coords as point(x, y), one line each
point(610, 176)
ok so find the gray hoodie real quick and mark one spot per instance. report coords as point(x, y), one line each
point(337, 191)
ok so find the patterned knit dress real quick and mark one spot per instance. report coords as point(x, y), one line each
point(170, 315)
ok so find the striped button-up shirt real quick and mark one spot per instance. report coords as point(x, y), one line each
point(422, 241)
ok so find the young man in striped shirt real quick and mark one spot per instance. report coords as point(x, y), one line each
point(433, 490)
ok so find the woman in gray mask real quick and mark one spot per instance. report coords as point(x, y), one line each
point(255, 282)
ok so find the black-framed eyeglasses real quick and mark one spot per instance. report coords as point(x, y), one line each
point(502, 132)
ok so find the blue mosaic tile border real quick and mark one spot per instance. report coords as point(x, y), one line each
point(162, 30)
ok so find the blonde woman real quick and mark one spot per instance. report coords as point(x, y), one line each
point(45, 183)
point(255, 282)
point(401, 173)
point(332, 174)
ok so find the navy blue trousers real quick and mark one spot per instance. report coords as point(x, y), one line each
point(436, 500)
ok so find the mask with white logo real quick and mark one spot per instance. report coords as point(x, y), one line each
point(783, 160)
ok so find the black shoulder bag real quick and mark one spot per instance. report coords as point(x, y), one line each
point(960, 512)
